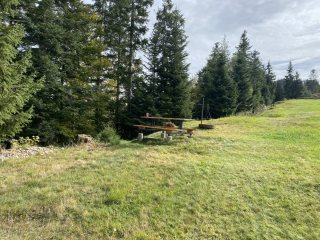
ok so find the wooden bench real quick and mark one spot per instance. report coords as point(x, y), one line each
point(167, 130)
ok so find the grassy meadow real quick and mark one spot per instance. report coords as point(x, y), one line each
point(253, 177)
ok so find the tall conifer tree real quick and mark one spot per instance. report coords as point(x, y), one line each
point(312, 83)
point(125, 22)
point(289, 82)
point(16, 83)
point(258, 80)
point(269, 90)
point(73, 65)
point(216, 85)
point(297, 87)
point(168, 63)
point(241, 74)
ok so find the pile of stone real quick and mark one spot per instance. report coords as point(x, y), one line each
point(24, 152)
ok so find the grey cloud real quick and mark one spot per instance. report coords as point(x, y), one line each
point(236, 14)
point(307, 63)
point(281, 30)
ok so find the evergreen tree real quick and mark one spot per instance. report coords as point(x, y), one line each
point(216, 84)
point(269, 90)
point(289, 81)
point(167, 64)
point(241, 74)
point(115, 20)
point(137, 29)
point(75, 88)
point(293, 85)
point(125, 22)
point(312, 84)
point(314, 75)
point(297, 87)
point(16, 83)
point(258, 80)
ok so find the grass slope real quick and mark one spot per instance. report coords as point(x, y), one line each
point(251, 178)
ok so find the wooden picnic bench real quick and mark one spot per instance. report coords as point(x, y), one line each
point(179, 120)
point(167, 131)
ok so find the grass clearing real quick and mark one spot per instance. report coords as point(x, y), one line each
point(254, 177)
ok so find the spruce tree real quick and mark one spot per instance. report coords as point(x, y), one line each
point(269, 89)
point(75, 89)
point(167, 64)
point(241, 74)
point(258, 80)
point(115, 20)
point(16, 82)
point(137, 29)
point(125, 22)
point(289, 81)
point(312, 83)
point(297, 87)
point(216, 84)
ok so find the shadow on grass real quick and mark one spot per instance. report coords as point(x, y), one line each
point(149, 141)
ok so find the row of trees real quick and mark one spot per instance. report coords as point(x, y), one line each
point(241, 83)
point(87, 60)
point(68, 68)
point(235, 84)
point(292, 86)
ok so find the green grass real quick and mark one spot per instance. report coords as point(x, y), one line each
point(252, 178)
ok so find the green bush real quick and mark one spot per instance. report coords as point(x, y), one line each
point(25, 142)
point(109, 135)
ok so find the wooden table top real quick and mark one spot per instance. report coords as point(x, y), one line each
point(167, 118)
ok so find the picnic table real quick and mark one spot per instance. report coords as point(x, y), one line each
point(180, 121)
point(168, 129)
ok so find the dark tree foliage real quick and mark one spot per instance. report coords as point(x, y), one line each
point(288, 82)
point(269, 89)
point(125, 23)
point(258, 80)
point(242, 76)
point(293, 85)
point(280, 92)
point(297, 87)
point(17, 84)
point(255, 85)
point(66, 49)
point(312, 84)
point(216, 84)
point(168, 82)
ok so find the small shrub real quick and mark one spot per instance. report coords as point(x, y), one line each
point(24, 142)
point(109, 135)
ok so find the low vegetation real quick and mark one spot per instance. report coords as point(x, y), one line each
point(254, 177)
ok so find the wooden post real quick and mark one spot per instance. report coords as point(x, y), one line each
point(164, 135)
point(140, 137)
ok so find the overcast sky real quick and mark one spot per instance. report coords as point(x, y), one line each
point(281, 30)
